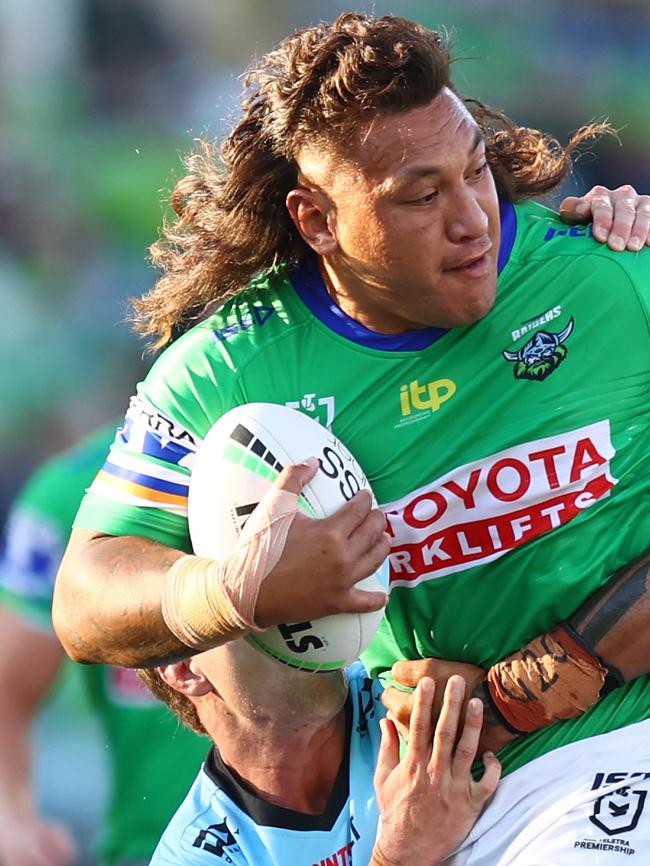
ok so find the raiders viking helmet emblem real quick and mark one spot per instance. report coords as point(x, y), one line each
point(542, 354)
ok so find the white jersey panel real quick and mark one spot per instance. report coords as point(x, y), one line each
point(585, 803)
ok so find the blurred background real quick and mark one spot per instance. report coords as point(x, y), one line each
point(99, 99)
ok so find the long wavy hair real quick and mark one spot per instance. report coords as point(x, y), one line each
point(324, 85)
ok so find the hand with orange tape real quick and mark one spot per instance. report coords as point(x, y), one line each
point(555, 676)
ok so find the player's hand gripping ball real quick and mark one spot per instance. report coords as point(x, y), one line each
point(241, 456)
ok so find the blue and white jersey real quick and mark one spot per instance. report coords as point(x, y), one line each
point(221, 821)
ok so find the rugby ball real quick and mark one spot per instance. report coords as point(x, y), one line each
point(237, 462)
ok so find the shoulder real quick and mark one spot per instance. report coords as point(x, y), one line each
point(57, 485)
point(539, 233)
point(264, 312)
point(203, 368)
point(44, 509)
point(40, 519)
point(201, 829)
point(546, 249)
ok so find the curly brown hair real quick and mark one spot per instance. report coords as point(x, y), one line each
point(323, 85)
point(178, 703)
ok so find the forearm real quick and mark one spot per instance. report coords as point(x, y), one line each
point(107, 601)
point(16, 799)
point(29, 665)
point(561, 674)
point(615, 622)
point(531, 685)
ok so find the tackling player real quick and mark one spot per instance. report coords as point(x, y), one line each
point(291, 780)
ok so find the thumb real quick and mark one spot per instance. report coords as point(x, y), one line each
point(487, 784)
point(365, 601)
point(574, 210)
point(294, 477)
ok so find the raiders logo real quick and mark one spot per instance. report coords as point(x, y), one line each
point(541, 355)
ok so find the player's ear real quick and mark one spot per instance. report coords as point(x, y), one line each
point(186, 677)
point(313, 215)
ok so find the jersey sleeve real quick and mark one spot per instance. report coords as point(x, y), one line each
point(32, 548)
point(143, 486)
point(38, 526)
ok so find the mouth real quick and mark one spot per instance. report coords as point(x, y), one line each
point(476, 265)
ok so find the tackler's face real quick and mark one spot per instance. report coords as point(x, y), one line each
point(253, 685)
point(416, 219)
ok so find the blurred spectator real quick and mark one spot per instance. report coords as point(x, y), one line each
point(151, 759)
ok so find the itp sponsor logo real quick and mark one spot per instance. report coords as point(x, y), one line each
point(425, 398)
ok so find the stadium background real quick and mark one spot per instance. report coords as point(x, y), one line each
point(99, 99)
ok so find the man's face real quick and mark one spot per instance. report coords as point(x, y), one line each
point(256, 687)
point(416, 220)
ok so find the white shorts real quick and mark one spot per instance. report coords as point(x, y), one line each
point(586, 803)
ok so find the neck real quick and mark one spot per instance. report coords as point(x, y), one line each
point(284, 761)
point(357, 295)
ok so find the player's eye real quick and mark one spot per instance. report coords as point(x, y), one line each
point(480, 171)
point(425, 199)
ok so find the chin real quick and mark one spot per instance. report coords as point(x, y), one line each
point(479, 307)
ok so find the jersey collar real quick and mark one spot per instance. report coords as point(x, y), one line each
point(508, 218)
point(309, 286)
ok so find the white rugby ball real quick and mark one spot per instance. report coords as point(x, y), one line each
point(239, 459)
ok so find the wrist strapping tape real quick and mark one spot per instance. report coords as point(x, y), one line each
point(206, 602)
point(553, 677)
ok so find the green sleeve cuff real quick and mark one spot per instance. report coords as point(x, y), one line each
point(113, 518)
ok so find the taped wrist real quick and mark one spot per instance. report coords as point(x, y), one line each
point(207, 602)
point(556, 676)
point(196, 608)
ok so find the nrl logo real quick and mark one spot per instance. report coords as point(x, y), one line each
point(542, 354)
point(618, 812)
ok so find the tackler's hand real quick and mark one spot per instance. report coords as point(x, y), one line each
point(621, 217)
point(429, 801)
point(407, 674)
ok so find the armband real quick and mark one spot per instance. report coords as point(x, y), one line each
point(556, 676)
point(207, 602)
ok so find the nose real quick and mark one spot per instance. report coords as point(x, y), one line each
point(467, 217)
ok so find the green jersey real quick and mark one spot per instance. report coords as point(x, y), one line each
point(153, 759)
point(511, 458)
